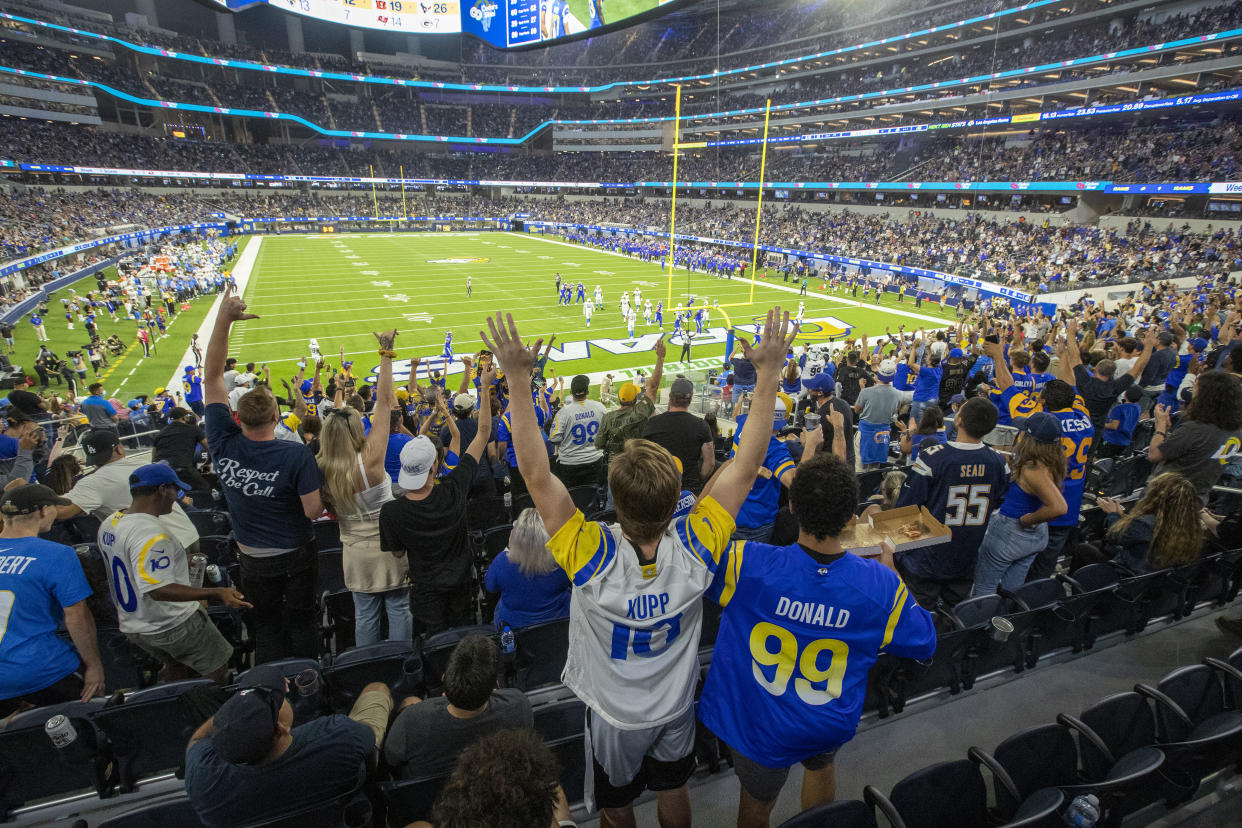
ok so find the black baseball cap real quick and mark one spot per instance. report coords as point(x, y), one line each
point(579, 385)
point(97, 445)
point(245, 726)
point(30, 498)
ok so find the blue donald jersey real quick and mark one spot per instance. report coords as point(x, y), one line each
point(193, 388)
point(1077, 434)
point(597, 14)
point(960, 484)
point(165, 402)
point(797, 639)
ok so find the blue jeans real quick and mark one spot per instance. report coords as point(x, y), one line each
point(367, 606)
point(763, 533)
point(916, 409)
point(1006, 554)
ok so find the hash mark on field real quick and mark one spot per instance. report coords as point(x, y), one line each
point(360, 264)
point(543, 257)
point(131, 371)
point(374, 273)
point(380, 284)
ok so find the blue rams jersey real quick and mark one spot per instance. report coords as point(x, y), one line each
point(165, 402)
point(1013, 403)
point(797, 639)
point(960, 484)
point(37, 579)
point(1077, 434)
point(193, 388)
point(764, 498)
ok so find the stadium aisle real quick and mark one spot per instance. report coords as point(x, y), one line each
point(885, 751)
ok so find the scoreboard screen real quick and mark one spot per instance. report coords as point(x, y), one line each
point(504, 24)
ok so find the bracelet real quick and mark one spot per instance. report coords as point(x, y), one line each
point(1161, 434)
point(388, 352)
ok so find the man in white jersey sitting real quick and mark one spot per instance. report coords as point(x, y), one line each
point(636, 615)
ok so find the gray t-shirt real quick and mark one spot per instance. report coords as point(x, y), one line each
point(1199, 452)
point(879, 403)
point(426, 739)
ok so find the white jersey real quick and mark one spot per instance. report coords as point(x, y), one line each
point(314, 348)
point(139, 556)
point(634, 628)
point(574, 432)
point(588, 308)
point(813, 366)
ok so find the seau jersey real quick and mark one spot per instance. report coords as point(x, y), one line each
point(797, 639)
point(633, 627)
point(960, 484)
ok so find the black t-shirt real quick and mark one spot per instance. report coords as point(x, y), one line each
point(27, 402)
point(178, 443)
point(426, 739)
point(849, 377)
point(1099, 395)
point(683, 434)
point(953, 378)
point(432, 531)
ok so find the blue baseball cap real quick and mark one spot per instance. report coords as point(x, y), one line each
point(306, 386)
point(1198, 344)
point(1042, 426)
point(156, 474)
point(189, 368)
point(822, 382)
point(956, 353)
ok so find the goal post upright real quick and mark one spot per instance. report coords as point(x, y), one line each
point(672, 213)
point(763, 165)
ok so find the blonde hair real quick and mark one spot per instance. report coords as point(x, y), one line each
point(890, 488)
point(339, 443)
point(645, 485)
point(528, 545)
point(1177, 537)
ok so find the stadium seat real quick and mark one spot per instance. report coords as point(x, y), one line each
point(437, 648)
point(585, 498)
point(983, 654)
point(1046, 756)
point(338, 621)
point(1194, 726)
point(167, 811)
point(394, 663)
point(327, 534)
point(541, 652)
point(410, 799)
point(353, 810)
point(495, 541)
point(520, 503)
point(149, 730)
point(331, 574)
point(1092, 603)
point(33, 770)
point(1040, 619)
point(219, 549)
point(1116, 726)
point(847, 813)
point(210, 522)
point(954, 795)
point(126, 667)
point(948, 667)
point(1233, 685)
point(487, 512)
point(570, 753)
point(560, 719)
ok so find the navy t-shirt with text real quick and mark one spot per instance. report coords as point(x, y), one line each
point(263, 482)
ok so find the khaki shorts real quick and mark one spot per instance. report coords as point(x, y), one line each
point(372, 709)
point(195, 642)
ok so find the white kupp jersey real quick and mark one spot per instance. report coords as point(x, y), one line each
point(140, 556)
point(634, 641)
point(574, 432)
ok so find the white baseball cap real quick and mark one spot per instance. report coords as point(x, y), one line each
point(418, 456)
point(888, 368)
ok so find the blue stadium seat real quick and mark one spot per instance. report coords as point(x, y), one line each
point(846, 813)
point(541, 652)
point(149, 730)
point(410, 799)
point(33, 770)
point(305, 708)
point(327, 534)
point(560, 719)
point(954, 795)
point(394, 663)
point(166, 812)
point(1194, 724)
point(437, 648)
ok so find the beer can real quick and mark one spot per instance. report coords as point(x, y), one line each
point(61, 731)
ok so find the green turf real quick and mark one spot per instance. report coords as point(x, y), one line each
point(614, 10)
point(127, 375)
point(340, 288)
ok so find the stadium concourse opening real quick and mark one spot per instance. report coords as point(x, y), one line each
point(621, 412)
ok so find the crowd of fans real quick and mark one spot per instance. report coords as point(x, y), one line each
point(400, 109)
point(1016, 408)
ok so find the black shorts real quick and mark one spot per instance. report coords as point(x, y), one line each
point(764, 783)
point(654, 775)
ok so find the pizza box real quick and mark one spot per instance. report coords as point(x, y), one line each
point(860, 539)
point(888, 523)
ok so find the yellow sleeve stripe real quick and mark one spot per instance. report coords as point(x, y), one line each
point(582, 549)
point(142, 559)
point(733, 571)
point(783, 467)
point(899, 603)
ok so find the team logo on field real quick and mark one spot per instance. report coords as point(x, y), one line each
point(470, 260)
point(827, 329)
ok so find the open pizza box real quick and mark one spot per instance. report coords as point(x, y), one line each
point(859, 538)
point(889, 524)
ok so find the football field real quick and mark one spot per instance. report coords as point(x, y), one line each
point(340, 288)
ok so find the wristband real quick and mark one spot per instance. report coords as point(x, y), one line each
point(388, 352)
point(1161, 434)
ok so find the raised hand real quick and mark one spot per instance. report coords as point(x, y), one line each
point(778, 335)
point(660, 349)
point(386, 340)
point(488, 375)
point(506, 343)
point(232, 308)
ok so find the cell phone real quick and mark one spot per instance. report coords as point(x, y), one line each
point(993, 338)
